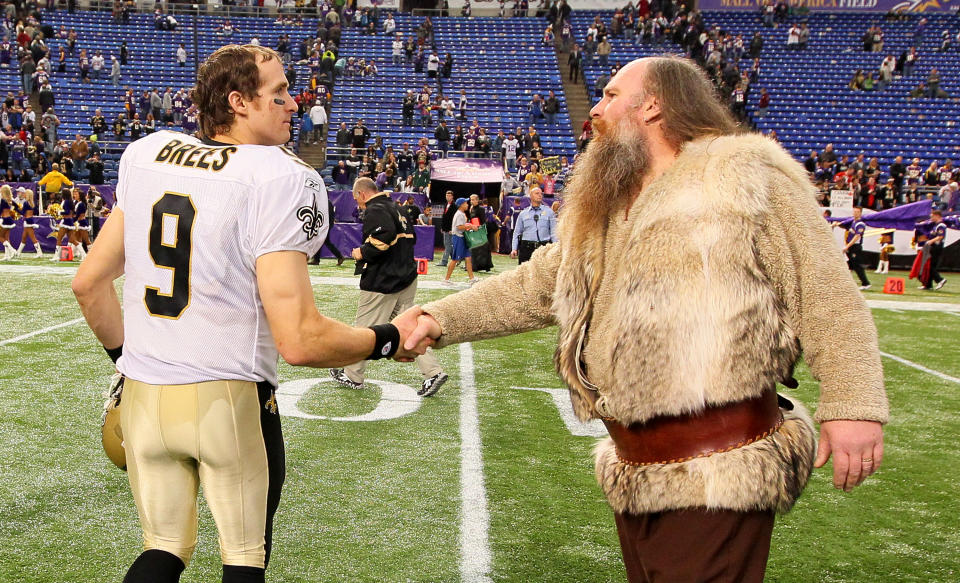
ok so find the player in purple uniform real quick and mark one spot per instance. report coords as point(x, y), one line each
point(7, 208)
point(29, 211)
point(938, 232)
point(82, 232)
point(854, 247)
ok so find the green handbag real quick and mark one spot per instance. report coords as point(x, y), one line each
point(476, 238)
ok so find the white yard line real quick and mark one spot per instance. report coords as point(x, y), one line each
point(920, 367)
point(474, 517)
point(914, 306)
point(38, 269)
point(41, 331)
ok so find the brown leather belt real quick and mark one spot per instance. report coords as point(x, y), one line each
point(674, 439)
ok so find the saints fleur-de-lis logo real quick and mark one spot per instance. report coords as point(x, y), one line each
point(271, 404)
point(312, 219)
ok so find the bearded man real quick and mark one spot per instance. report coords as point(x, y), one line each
point(691, 269)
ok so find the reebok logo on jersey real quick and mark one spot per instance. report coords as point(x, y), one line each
point(311, 218)
point(313, 184)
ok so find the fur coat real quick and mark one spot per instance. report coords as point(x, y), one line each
point(702, 293)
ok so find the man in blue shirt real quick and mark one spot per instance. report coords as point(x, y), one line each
point(535, 227)
point(853, 246)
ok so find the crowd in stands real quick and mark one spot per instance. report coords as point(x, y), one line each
point(729, 60)
point(877, 188)
point(902, 66)
point(444, 117)
point(407, 168)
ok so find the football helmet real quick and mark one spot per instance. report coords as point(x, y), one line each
point(112, 437)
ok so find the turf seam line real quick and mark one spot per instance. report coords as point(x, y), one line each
point(474, 516)
point(41, 331)
point(920, 367)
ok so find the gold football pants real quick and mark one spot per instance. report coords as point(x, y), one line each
point(224, 435)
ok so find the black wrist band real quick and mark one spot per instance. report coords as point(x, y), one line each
point(388, 341)
point(114, 353)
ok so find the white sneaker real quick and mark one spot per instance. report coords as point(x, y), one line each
point(448, 283)
point(431, 385)
point(472, 281)
point(941, 284)
point(864, 287)
point(921, 286)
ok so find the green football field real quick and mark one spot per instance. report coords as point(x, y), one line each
point(487, 481)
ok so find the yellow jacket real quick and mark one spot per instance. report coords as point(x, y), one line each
point(54, 181)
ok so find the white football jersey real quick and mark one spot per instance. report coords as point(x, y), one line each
point(196, 218)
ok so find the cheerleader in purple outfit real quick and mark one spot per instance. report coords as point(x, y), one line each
point(29, 211)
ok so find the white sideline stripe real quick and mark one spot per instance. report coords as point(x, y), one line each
point(920, 367)
point(41, 331)
point(474, 517)
point(38, 269)
point(914, 306)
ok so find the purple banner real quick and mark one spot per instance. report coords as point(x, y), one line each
point(45, 234)
point(902, 218)
point(346, 237)
point(843, 5)
point(466, 170)
point(346, 207)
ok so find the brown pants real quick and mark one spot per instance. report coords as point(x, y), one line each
point(694, 545)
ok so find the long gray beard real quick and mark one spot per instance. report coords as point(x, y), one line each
point(606, 175)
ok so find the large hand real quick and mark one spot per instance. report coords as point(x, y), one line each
point(427, 329)
point(857, 448)
point(407, 323)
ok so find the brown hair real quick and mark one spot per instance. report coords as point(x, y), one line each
point(688, 102)
point(230, 68)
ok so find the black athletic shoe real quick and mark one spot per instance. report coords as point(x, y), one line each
point(431, 385)
point(343, 380)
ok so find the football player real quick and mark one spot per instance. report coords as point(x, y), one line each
point(213, 236)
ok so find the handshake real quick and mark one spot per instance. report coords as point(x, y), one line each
point(418, 331)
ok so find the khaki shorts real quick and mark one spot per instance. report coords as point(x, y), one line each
point(224, 435)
